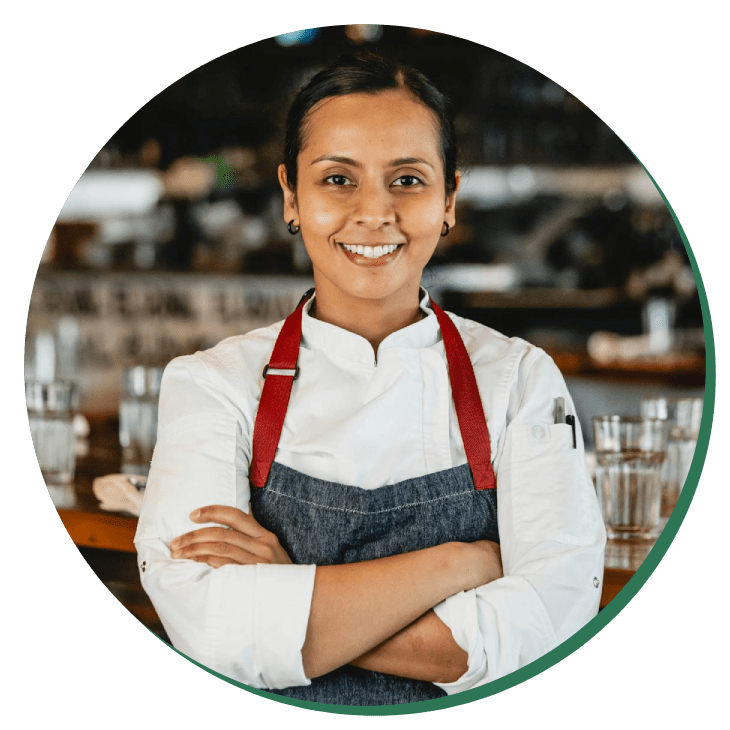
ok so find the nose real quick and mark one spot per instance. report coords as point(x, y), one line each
point(373, 206)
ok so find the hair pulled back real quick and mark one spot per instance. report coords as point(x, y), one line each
point(368, 72)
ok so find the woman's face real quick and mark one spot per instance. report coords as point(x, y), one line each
point(370, 196)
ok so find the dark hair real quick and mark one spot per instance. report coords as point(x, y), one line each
point(368, 72)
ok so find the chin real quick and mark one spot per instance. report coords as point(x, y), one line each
point(375, 292)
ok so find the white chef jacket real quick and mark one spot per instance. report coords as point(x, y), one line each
point(365, 421)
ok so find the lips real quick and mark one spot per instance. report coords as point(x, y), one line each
point(370, 253)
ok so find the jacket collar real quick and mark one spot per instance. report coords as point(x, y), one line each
point(325, 336)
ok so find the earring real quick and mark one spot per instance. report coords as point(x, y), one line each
point(292, 228)
point(445, 230)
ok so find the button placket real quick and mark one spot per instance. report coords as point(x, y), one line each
point(446, 411)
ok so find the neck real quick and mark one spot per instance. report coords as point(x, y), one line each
point(373, 319)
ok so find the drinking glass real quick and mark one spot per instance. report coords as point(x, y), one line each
point(630, 452)
point(683, 416)
point(138, 417)
point(50, 414)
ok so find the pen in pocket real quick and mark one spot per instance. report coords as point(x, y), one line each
point(571, 420)
point(560, 417)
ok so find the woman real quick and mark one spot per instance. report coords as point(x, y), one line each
point(366, 569)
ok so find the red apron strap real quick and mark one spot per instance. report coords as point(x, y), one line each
point(279, 376)
point(282, 370)
point(467, 402)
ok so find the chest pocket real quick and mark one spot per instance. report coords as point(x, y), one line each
point(549, 485)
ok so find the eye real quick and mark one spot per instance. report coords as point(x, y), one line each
point(338, 180)
point(407, 181)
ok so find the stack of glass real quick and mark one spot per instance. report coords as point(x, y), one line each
point(630, 453)
point(138, 417)
point(683, 417)
point(51, 408)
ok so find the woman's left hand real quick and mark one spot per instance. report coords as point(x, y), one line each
point(243, 541)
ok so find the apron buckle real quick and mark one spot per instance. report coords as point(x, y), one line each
point(294, 374)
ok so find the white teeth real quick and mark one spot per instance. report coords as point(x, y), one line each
point(371, 252)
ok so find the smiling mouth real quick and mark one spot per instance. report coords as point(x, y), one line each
point(372, 252)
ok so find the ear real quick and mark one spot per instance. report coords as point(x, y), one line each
point(450, 212)
point(291, 210)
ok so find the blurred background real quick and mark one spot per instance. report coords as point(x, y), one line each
point(174, 239)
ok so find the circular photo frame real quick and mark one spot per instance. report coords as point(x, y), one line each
point(536, 179)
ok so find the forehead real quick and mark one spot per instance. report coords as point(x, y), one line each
point(392, 122)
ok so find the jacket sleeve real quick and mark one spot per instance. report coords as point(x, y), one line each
point(551, 533)
point(246, 622)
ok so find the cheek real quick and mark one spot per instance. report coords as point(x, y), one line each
point(324, 219)
point(320, 213)
point(425, 216)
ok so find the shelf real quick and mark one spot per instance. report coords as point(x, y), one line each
point(686, 369)
point(489, 187)
point(538, 298)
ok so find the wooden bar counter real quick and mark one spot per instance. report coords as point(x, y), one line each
point(105, 539)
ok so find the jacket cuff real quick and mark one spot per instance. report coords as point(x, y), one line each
point(502, 626)
point(459, 613)
point(281, 614)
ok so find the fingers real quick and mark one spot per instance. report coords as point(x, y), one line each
point(207, 534)
point(214, 561)
point(245, 550)
point(226, 542)
point(241, 532)
point(230, 516)
point(225, 550)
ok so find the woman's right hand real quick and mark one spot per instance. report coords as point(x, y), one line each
point(241, 540)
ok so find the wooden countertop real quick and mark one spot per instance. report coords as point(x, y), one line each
point(78, 508)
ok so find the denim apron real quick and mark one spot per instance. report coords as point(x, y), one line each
point(324, 523)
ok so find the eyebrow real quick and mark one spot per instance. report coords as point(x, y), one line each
point(410, 161)
point(355, 163)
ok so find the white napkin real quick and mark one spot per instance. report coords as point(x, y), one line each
point(119, 492)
